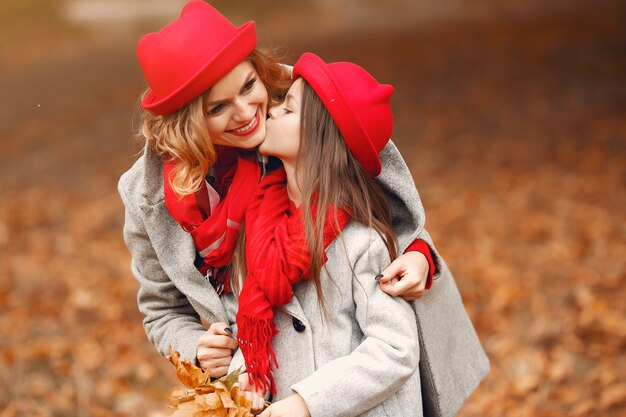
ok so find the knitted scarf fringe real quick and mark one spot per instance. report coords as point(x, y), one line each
point(255, 342)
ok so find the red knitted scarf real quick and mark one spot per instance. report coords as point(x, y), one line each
point(215, 232)
point(277, 257)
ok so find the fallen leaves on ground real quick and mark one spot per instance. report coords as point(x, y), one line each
point(514, 130)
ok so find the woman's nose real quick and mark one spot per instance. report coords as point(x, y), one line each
point(243, 111)
point(272, 111)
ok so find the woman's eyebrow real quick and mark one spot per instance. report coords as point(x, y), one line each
point(248, 78)
point(215, 102)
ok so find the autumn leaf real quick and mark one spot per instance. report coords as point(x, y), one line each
point(221, 397)
point(179, 397)
point(189, 374)
point(211, 401)
point(224, 395)
point(242, 404)
point(230, 379)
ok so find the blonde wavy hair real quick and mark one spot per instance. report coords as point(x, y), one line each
point(182, 137)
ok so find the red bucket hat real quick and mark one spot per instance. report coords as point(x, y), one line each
point(190, 55)
point(356, 102)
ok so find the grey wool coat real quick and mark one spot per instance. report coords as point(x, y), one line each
point(173, 295)
point(359, 356)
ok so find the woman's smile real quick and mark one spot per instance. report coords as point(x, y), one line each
point(248, 128)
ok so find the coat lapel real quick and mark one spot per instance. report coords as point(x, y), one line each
point(294, 308)
point(174, 247)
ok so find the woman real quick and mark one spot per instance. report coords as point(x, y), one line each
point(209, 90)
point(188, 131)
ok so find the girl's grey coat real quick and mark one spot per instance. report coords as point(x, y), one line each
point(362, 357)
point(173, 294)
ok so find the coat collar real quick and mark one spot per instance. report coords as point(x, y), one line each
point(294, 308)
point(153, 177)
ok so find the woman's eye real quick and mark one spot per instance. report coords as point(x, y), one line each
point(248, 86)
point(216, 109)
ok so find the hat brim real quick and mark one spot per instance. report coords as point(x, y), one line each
point(227, 58)
point(316, 72)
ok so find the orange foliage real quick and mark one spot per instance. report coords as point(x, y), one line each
point(221, 398)
point(513, 126)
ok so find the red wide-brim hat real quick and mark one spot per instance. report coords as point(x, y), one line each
point(189, 55)
point(358, 104)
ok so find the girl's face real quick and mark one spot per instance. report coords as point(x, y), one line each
point(282, 139)
point(236, 108)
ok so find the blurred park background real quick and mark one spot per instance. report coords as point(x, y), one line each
point(510, 114)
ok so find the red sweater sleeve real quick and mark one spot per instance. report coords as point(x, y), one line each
point(422, 247)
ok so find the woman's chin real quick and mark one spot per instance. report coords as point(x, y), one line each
point(266, 149)
point(263, 149)
point(251, 142)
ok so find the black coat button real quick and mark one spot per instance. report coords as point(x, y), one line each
point(298, 325)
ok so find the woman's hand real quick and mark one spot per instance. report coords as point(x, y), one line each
point(215, 349)
point(292, 406)
point(406, 276)
point(258, 401)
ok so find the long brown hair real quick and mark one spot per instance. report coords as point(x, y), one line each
point(182, 136)
point(336, 179)
point(333, 178)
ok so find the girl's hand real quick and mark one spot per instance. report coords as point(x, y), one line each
point(215, 349)
point(292, 406)
point(257, 398)
point(406, 276)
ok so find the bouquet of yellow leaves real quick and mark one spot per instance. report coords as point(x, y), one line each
point(203, 398)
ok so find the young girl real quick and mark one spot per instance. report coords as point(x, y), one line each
point(313, 325)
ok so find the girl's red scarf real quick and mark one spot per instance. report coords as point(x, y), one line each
point(215, 232)
point(277, 257)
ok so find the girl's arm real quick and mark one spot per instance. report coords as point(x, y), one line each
point(387, 356)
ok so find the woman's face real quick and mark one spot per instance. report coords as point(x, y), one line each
point(236, 108)
point(282, 139)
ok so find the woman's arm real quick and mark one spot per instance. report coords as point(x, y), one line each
point(408, 219)
point(406, 277)
point(387, 356)
point(215, 349)
point(169, 318)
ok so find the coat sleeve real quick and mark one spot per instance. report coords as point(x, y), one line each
point(169, 318)
point(408, 217)
point(387, 356)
